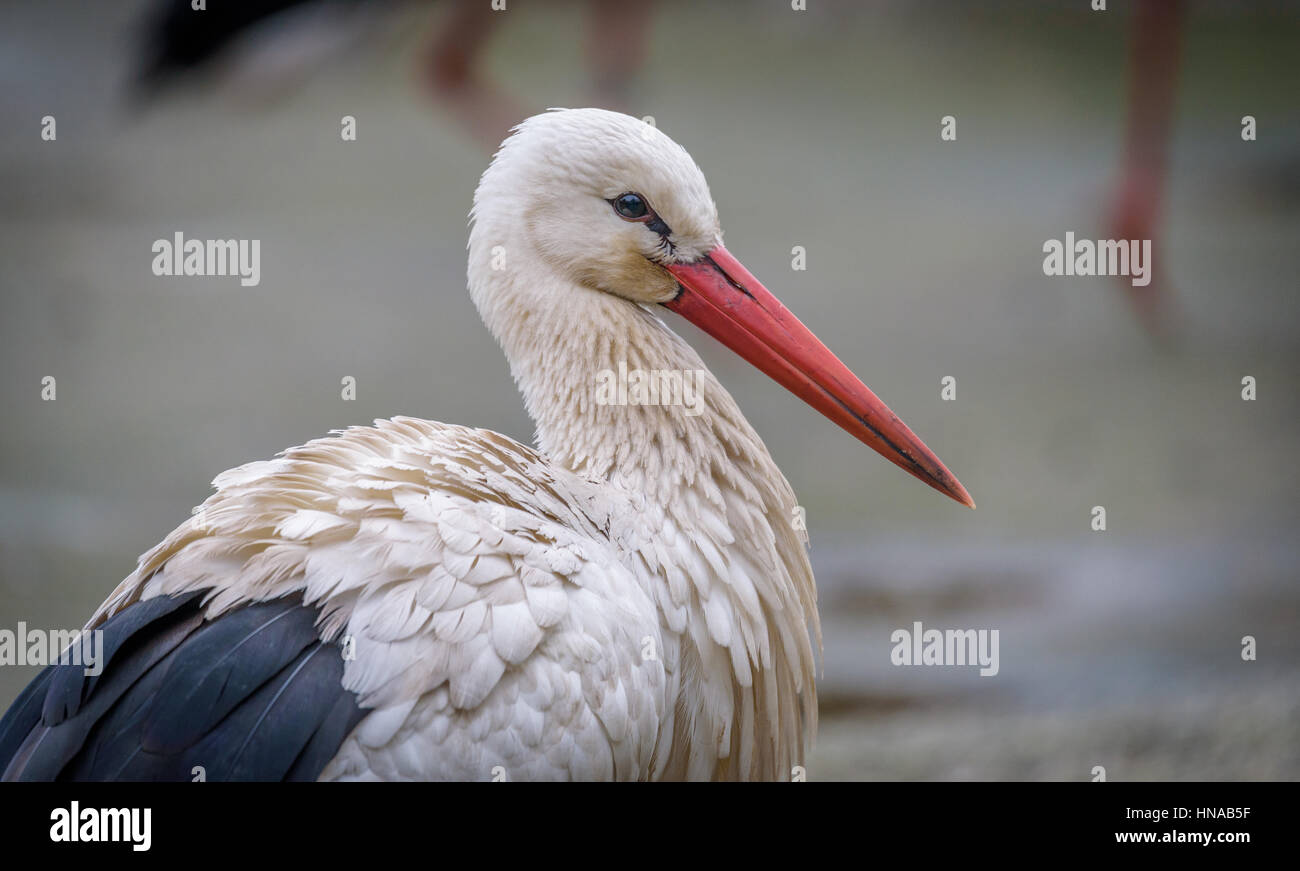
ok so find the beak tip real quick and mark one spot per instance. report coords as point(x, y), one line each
point(959, 494)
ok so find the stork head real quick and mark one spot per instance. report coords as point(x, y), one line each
point(605, 199)
point(615, 206)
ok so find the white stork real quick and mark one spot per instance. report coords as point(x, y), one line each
point(418, 600)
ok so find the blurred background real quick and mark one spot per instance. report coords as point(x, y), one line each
point(817, 128)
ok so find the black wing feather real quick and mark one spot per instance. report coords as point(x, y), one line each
point(70, 686)
point(54, 742)
point(252, 695)
point(221, 665)
point(337, 723)
point(24, 715)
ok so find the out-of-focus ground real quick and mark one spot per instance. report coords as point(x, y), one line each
point(1118, 648)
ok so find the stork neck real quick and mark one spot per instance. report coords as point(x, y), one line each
point(710, 513)
point(616, 395)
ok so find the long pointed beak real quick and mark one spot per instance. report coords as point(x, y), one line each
point(720, 296)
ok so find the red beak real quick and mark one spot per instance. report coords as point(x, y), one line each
point(720, 297)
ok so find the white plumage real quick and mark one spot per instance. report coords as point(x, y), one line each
point(631, 599)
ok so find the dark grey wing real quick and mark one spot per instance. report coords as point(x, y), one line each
point(177, 38)
point(252, 695)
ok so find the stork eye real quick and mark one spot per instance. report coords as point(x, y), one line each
point(631, 206)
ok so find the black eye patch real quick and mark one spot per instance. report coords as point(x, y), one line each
point(657, 225)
